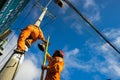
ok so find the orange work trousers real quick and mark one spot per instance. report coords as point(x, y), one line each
point(30, 34)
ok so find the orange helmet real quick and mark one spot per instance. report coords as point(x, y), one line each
point(58, 53)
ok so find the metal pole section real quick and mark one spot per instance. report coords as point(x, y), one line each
point(2, 43)
point(39, 20)
point(44, 61)
point(12, 66)
point(90, 24)
point(10, 69)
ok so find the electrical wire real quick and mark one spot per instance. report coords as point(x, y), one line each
point(50, 22)
point(49, 14)
point(92, 26)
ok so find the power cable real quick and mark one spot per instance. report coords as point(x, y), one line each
point(49, 22)
point(91, 25)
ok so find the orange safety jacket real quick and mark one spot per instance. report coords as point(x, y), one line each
point(30, 34)
point(54, 68)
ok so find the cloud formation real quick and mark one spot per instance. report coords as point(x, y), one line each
point(72, 62)
point(103, 60)
point(110, 65)
point(28, 70)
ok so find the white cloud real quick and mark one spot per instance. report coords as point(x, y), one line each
point(104, 47)
point(115, 67)
point(77, 27)
point(112, 33)
point(117, 41)
point(91, 10)
point(103, 60)
point(71, 61)
point(110, 64)
point(95, 17)
point(28, 70)
point(110, 67)
point(89, 3)
point(72, 53)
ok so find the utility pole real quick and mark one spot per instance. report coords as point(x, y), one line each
point(11, 67)
point(38, 22)
point(1, 45)
point(8, 72)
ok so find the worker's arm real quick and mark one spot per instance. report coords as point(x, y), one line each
point(48, 57)
point(57, 67)
point(41, 36)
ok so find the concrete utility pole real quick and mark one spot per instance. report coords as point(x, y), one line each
point(1, 45)
point(12, 66)
point(38, 22)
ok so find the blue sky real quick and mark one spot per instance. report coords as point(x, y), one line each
point(87, 55)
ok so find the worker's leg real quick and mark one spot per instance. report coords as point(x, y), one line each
point(22, 38)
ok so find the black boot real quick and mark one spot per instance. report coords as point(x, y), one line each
point(19, 51)
point(1, 54)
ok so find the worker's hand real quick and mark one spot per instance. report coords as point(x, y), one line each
point(45, 42)
point(41, 47)
point(44, 67)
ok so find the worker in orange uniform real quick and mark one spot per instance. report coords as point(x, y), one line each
point(28, 36)
point(55, 65)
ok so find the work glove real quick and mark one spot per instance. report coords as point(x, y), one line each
point(45, 42)
point(41, 47)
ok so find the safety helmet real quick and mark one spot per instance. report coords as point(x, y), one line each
point(58, 53)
